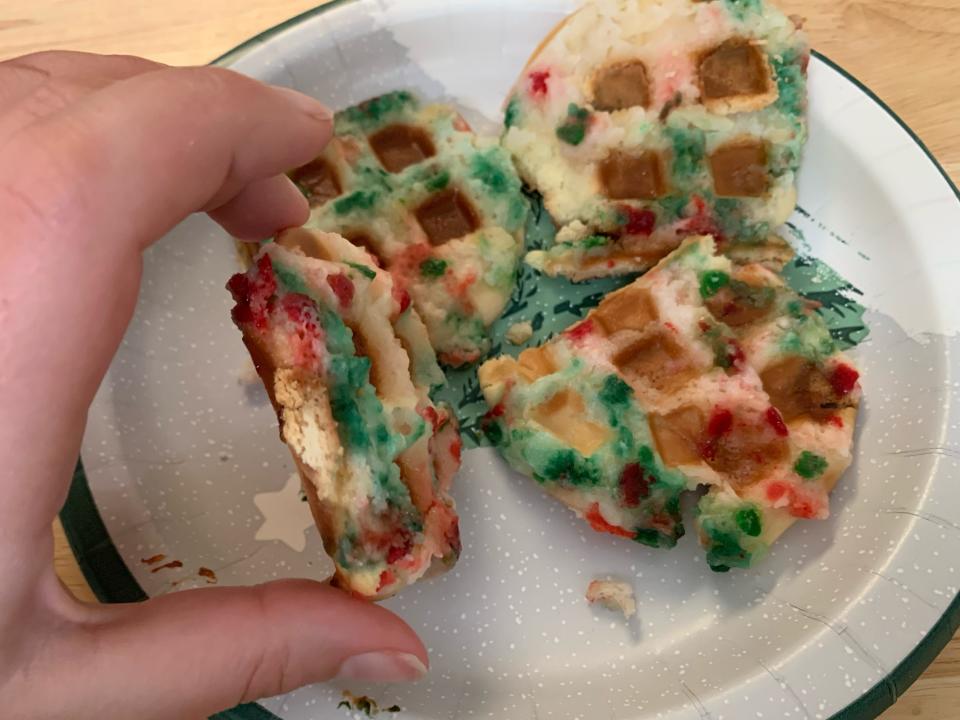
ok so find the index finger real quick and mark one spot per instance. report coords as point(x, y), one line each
point(82, 192)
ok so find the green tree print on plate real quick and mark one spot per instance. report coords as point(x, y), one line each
point(552, 304)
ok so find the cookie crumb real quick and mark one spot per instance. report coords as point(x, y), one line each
point(364, 704)
point(519, 333)
point(613, 595)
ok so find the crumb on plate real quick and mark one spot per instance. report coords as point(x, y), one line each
point(519, 333)
point(613, 595)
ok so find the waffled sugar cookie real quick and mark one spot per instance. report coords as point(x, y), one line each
point(345, 361)
point(702, 372)
point(645, 121)
point(440, 207)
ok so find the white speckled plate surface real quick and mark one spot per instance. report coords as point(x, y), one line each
point(182, 456)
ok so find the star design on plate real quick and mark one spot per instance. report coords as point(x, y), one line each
point(286, 515)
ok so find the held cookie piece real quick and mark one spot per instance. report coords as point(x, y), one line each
point(439, 207)
point(721, 377)
point(642, 122)
point(335, 345)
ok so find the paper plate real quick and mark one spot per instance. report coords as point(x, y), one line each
point(182, 458)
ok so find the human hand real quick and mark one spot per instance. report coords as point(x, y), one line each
point(100, 157)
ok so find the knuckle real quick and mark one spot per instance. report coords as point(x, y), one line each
point(52, 96)
point(209, 83)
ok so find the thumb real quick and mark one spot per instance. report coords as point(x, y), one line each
point(193, 653)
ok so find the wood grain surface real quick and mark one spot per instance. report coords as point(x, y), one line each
point(907, 51)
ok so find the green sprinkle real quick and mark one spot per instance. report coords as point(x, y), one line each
point(572, 134)
point(648, 536)
point(359, 200)
point(674, 205)
point(726, 552)
point(574, 129)
point(367, 272)
point(741, 8)
point(290, 280)
point(615, 391)
point(373, 112)
point(512, 113)
point(790, 84)
point(344, 704)
point(393, 709)
point(559, 464)
point(595, 241)
point(712, 281)
point(645, 456)
point(494, 433)
point(438, 182)
point(748, 520)
point(689, 149)
point(489, 169)
point(433, 268)
point(810, 465)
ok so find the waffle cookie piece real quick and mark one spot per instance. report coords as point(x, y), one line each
point(439, 207)
point(643, 122)
point(701, 372)
point(337, 347)
point(816, 393)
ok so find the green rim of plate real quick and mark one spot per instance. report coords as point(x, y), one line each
point(112, 582)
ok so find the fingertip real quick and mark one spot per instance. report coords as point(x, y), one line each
point(307, 105)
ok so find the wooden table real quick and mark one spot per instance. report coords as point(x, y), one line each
point(907, 51)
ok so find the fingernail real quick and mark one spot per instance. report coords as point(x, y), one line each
point(307, 104)
point(382, 667)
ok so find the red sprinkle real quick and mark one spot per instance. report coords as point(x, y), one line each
point(342, 287)
point(639, 222)
point(295, 306)
point(721, 422)
point(456, 448)
point(538, 82)
point(799, 504)
point(670, 326)
point(635, 485)
point(844, 379)
point(579, 332)
point(386, 578)
point(397, 552)
point(776, 490)
point(802, 508)
point(458, 287)
point(239, 287)
point(702, 222)
point(252, 295)
point(835, 420)
point(402, 298)
point(735, 354)
point(597, 522)
point(429, 413)
point(775, 419)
